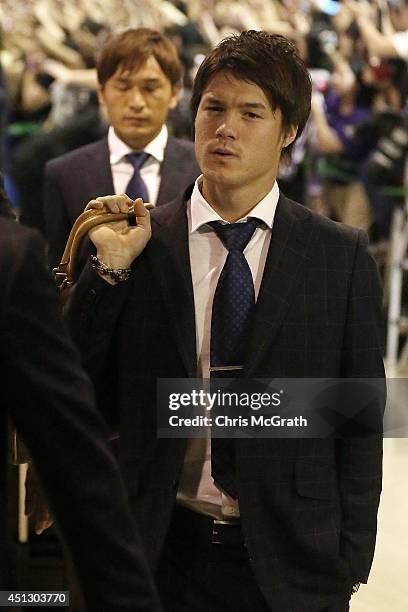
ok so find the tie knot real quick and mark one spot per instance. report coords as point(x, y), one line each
point(235, 236)
point(137, 159)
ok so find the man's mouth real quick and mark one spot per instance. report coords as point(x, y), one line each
point(224, 152)
point(135, 119)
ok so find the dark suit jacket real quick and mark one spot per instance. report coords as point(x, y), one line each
point(81, 175)
point(51, 401)
point(308, 506)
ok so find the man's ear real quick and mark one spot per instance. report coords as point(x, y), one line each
point(290, 136)
point(175, 96)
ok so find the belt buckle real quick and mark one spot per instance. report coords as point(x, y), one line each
point(216, 536)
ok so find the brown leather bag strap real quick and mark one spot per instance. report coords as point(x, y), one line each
point(86, 221)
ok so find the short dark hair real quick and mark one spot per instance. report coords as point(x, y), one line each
point(133, 47)
point(270, 61)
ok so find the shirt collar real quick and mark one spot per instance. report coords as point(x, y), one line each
point(202, 213)
point(118, 149)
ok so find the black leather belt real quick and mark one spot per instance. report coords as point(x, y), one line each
point(207, 529)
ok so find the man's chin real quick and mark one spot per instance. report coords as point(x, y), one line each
point(136, 139)
point(222, 177)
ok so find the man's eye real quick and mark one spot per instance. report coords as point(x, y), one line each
point(214, 108)
point(151, 88)
point(252, 115)
point(122, 86)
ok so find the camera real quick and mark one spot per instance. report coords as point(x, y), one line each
point(385, 164)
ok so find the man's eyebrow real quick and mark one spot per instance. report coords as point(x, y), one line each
point(128, 78)
point(209, 97)
point(122, 77)
point(255, 105)
point(252, 105)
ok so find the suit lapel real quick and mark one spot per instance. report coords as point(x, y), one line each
point(291, 237)
point(99, 177)
point(170, 260)
point(172, 173)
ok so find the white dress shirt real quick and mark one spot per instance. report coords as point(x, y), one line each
point(122, 169)
point(207, 257)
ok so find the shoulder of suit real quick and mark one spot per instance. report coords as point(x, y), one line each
point(327, 229)
point(188, 145)
point(338, 232)
point(17, 244)
point(181, 146)
point(76, 156)
point(182, 154)
point(15, 236)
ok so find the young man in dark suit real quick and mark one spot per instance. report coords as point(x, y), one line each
point(284, 525)
point(51, 402)
point(139, 76)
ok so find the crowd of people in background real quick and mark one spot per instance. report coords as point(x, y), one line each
point(349, 163)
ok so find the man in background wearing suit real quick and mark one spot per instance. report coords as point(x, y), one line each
point(139, 76)
point(232, 275)
point(51, 402)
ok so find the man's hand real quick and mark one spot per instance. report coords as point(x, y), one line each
point(36, 506)
point(117, 243)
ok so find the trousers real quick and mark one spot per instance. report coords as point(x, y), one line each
point(196, 574)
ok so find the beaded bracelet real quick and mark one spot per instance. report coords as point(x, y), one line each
point(119, 275)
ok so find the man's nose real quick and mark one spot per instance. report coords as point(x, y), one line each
point(226, 129)
point(136, 99)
